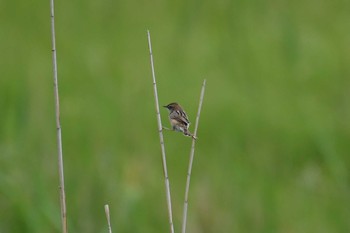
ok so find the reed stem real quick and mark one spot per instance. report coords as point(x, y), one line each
point(161, 138)
point(184, 217)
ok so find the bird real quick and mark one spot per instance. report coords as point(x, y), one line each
point(178, 119)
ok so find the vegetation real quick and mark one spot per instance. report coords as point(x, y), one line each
point(273, 142)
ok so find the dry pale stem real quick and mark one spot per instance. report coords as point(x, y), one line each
point(161, 138)
point(58, 124)
point(108, 218)
point(184, 217)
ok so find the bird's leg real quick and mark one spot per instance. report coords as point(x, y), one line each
point(166, 128)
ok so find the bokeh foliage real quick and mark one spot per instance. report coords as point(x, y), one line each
point(273, 148)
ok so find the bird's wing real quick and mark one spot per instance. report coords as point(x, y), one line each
point(183, 117)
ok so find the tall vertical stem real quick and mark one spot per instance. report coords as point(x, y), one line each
point(58, 124)
point(161, 138)
point(184, 217)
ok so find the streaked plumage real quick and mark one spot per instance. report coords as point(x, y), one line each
point(178, 119)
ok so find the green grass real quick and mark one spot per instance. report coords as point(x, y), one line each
point(273, 150)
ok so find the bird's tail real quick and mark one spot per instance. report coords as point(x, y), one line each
point(188, 133)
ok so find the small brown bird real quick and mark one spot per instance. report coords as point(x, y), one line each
point(178, 119)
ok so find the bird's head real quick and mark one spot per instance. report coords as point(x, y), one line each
point(172, 106)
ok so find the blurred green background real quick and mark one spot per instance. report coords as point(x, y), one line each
point(273, 148)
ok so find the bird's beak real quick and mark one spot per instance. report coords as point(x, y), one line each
point(165, 106)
